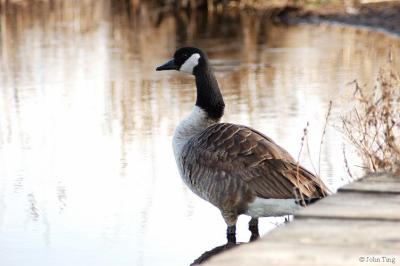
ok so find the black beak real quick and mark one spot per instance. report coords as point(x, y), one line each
point(170, 65)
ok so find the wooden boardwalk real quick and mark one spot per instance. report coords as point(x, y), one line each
point(359, 225)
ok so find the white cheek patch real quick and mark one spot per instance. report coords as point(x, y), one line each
point(190, 63)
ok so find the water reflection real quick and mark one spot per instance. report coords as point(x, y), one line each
point(86, 122)
point(62, 197)
point(34, 212)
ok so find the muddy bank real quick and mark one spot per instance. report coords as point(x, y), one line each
point(379, 15)
point(384, 16)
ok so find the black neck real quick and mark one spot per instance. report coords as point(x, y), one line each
point(209, 97)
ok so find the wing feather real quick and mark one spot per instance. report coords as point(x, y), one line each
point(237, 156)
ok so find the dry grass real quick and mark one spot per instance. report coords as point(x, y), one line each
point(304, 141)
point(373, 126)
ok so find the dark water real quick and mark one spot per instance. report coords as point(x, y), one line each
point(87, 174)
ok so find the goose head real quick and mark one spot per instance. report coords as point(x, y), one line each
point(194, 61)
point(187, 59)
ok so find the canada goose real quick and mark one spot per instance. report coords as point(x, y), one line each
point(234, 167)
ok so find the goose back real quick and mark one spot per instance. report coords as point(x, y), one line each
point(230, 165)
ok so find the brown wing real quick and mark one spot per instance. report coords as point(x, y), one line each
point(238, 152)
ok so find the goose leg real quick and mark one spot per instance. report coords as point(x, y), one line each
point(231, 234)
point(253, 227)
point(230, 218)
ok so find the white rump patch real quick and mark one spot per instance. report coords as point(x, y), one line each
point(190, 63)
point(271, 207)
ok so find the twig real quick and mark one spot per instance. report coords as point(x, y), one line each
point(322, 137)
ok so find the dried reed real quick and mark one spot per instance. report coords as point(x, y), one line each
point(304, 139)
point(373, 125)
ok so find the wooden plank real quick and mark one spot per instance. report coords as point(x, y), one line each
point(360, 221)
point(378, 187)
point(345, 233)
point(353, 205)
point(380, 178)
point(318, 242)
point(284, 254)
point(374, 183)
